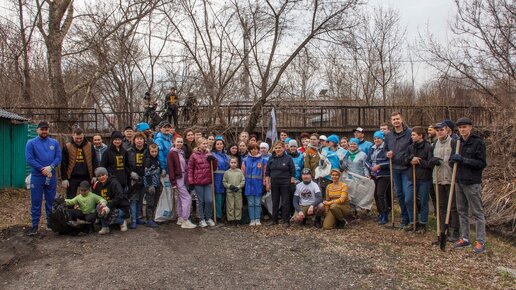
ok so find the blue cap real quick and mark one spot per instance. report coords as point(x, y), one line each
point(142, 126)
point(218, 137)
point(333, 138)
point(354, 140)
point(287, 140)
point(379, 134)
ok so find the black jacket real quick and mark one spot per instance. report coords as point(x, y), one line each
point(473, 152)
point(135, 159)
point(423, 150)
point(115, 161)
point(113, 193)
point(399, 143)
point(280, 169)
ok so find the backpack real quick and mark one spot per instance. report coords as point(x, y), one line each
point(60, 218)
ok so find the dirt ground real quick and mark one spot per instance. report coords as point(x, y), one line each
point(362, 256)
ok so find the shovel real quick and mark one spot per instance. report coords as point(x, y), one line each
point(392, 192)
point(444, 234)
point(437, 207)
point(415, 196)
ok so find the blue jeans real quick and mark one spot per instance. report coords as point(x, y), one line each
point(205, 200)
point(119, 220)
point(254, 205)
point(38, 189)
point(403, 187)
point(422, 191)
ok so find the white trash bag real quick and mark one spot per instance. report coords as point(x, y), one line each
point(165, 207)
point(360, 190)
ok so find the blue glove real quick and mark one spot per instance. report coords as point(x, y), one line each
point(456, 158)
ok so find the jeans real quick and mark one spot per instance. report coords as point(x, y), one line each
point(38, 189)
point(403, 187)
point(205, 201)
point(422, 191)
point(470, 201)
point(254, 205)
point(119, 220)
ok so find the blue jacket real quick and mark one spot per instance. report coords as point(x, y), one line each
point(399, 144)
point(365, 146)
point(222, 166)
point(334, 157)
point(164, 144)
point(378, 156)
point(254, 169)
point(40, 153)
point(357, 165)
point(299, 162)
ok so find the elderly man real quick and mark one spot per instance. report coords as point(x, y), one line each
point(79, 163)
point(43, 155)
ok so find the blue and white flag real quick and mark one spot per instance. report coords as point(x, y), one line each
point(272, 133)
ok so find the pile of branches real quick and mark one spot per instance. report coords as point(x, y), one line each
point(499, 183)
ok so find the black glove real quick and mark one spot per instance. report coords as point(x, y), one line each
point(233, 188)
point(210, 158)
point(455, 158)
point(436, 161)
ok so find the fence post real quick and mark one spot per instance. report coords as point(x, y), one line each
point(321, 121)
point(96, 121)
point(359, 117)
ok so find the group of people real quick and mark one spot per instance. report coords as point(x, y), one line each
point(112, 183)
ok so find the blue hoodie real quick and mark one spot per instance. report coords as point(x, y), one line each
point(164, 144)
point(42, 152)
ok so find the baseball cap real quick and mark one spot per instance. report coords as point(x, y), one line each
point(440, 126)
point(359, 129)
point(323, 137)
point(306, 171)
point(43, 124)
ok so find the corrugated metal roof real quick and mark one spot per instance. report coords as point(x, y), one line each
point(11, 116)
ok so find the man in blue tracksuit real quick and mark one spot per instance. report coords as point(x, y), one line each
point(397, 143)
point(43, 154)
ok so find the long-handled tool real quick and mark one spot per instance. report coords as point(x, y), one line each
point(213, 194)
point(444, 234)
point(414, 211)
point(437, 206)
point(392, 192)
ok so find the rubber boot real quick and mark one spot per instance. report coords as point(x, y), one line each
point(134, 214)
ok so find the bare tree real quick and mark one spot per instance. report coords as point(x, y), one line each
point(481, 54)
point(270, 27)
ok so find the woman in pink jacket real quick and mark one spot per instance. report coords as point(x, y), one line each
point(200, 166)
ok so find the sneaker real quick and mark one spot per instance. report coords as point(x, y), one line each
point(33, 231)
point(408, 227)
point(258, 223)
point(341, 224)
point(421, 228)
point(210, 223)
point(152, 224)
point(272, 223)
point(252, 223)
point(133, 225)
point(461, 243)
point(123, 227)
point(180, 221)
point(141, 221)
point(188, 225)
point(203, 224)
point(479, 248)
point(104, 231)
point(286, 224)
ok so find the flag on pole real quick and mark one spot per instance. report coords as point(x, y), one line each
point(272, 133)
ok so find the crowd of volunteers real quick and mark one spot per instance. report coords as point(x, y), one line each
point(214, 181)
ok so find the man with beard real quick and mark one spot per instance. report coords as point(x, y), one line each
point(43, 155)
point(79, 163)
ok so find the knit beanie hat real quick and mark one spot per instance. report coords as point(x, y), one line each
point(378, 134)
point(292, 142)
point(333, 138)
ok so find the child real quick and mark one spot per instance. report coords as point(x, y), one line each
point(135, 155)
point(253, 168)
point(152, 183)
point(87, 203)
point(233, 181)
point(420, 153)
point(200, 167)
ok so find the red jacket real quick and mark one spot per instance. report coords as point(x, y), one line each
point(174, 166)
point(199, 172)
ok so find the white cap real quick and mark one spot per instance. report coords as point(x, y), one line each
point(323, 137)
point(292, 142)
point(359, 129)
point(264, 145)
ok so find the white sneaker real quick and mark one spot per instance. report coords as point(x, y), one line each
point(180, 221)
point(257, 222)
point(123, 227)
point(188, 225)
point(252, 223)
point(211, 223)
point(104, 231)
point(203, 224)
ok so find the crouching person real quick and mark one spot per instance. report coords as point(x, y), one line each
point(308, 200)
point(117, 207)
point(152, 184)
point(337, 202)
point(86, 202)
